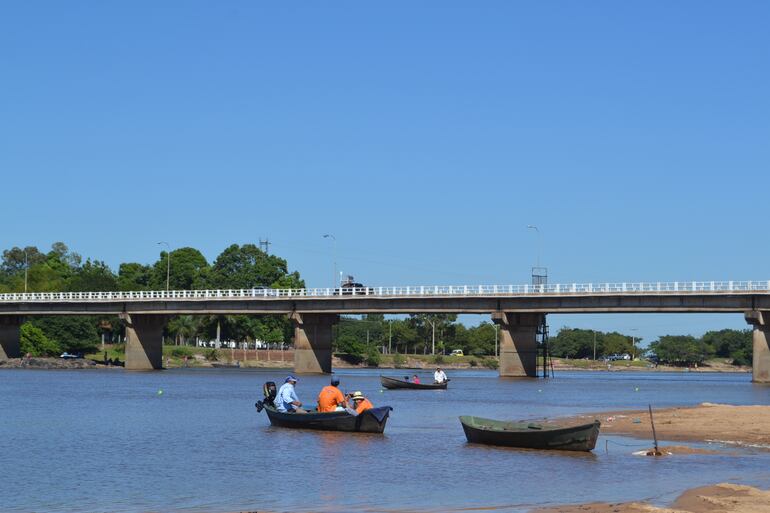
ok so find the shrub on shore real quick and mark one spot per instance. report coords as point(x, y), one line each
point(398, 360)
point(490, 363)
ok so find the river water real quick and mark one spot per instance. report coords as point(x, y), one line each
point(110, 441)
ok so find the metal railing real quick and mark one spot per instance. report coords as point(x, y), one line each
point(570, 289)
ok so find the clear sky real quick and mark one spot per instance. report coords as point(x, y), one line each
point(425, 136)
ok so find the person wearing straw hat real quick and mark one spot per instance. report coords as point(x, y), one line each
point(360, 403)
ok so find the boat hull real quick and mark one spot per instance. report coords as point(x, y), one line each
point(531, 436)
point(370, 421)
point(392, 383)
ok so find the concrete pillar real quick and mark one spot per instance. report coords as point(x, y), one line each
point(761, 359)
point(144, 341)
point(10, 336)
point(518, 343)
point(313, 342)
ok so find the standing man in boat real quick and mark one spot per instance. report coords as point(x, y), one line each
point(439, 376)
point(286, 400)
point(360, 402)
point(330, 398)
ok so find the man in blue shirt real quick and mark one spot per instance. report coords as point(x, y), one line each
point(286, 400)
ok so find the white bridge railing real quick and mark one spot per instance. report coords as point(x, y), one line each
point(570, 289)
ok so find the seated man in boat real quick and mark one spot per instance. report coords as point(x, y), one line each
point(439, 376)
point(360, 403)
point(415, 379)
point(286, 399)
point(330, 398)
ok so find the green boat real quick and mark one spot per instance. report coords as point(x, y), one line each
point(531, 435)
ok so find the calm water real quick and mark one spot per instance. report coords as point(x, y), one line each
point(108, 441)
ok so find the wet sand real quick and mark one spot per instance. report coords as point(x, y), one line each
point(707, 422)
point(720, 498)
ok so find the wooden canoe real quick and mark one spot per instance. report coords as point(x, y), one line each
point(531, 435)
point(392, 383)
point(370, 421)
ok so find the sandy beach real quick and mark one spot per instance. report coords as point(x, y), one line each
point(707, 422)
point(719, 498)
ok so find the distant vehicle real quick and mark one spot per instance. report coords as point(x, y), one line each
point(457, 352)
point(351, 287)
point(68, 356)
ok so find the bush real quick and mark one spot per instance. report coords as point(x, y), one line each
point(212, 355)
point(72, 334)
point(398, 360)
point(473, 362)
point(373, 357)
point(181, 352)
point(34, 342)
point(490, 363)
point(351, 358)
point(438, 358)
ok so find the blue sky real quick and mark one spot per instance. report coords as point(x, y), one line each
point(425, 136)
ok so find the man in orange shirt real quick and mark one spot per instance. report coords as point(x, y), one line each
point(331, 398)
point(361, 403)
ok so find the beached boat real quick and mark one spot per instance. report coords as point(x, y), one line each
point(398, 383)
point(531, 435)
point(370, 421)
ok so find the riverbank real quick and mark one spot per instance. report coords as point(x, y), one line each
point(707, 422)
point(719, 498)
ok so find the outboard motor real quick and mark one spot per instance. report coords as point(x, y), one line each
point(270, 391)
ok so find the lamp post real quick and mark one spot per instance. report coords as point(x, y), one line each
point(334, 257)
point(26, 269)
point(168, 262)
point(633, 345)
point(533, 227)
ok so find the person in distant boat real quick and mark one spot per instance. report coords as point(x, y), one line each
point(286, 399)
point(439, 376)
point(330, 398)
point(415, 379)
point(360, 403)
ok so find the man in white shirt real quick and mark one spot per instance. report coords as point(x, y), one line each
point(439, 376)
point(286, 400)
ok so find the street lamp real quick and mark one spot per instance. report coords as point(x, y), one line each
point(168, 262)
point(334, 257)
point(633, 345)
point(26, 269)
point(533, 227)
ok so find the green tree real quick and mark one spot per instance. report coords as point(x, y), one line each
point(34, 342)
point(133, 276)
point(246, 267)
point(187, 271)
point(737, 345)
point(680, 350)
point(72, 334)
point(92, 277)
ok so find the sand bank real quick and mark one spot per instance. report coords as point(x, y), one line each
point(743, 425)
point(720, 498)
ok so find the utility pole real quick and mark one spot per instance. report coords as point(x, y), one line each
point(594, 344)
point(264, 245)
point(390, 334)
point(496, 335)
point(334, 257)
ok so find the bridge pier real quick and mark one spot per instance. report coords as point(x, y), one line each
point(10, 336)
point(313, 342)
point(518, 343)
point(760, 320)
point(144, 341)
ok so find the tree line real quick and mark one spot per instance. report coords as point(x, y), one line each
point(60, 269)
point(680, 350)
point(247, 266)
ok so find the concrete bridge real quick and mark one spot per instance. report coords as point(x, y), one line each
point(517, 309)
